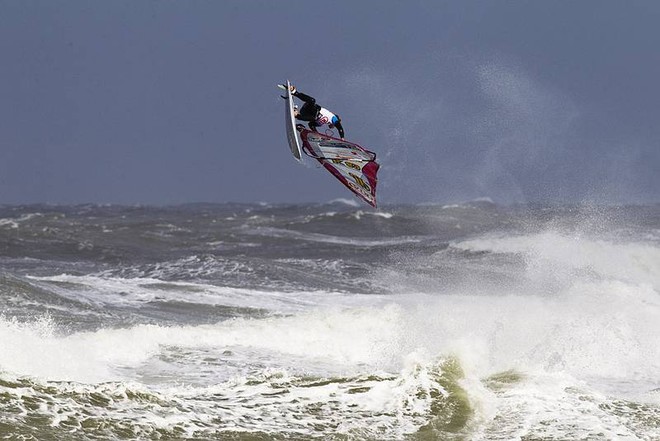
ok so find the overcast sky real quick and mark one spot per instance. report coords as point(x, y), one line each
point(159, 102)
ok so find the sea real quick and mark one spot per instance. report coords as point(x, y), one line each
point(333, 321)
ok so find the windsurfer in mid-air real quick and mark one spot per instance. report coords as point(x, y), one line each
point(315, 115)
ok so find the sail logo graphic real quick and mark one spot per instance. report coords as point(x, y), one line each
point(360, 182)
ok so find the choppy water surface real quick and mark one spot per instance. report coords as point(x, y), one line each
point(471, 321)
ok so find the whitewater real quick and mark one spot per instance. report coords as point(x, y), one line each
point(469, 321)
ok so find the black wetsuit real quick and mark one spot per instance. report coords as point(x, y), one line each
point(310, 112)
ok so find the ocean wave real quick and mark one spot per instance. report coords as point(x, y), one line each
point(556, 253)
point(419, 366)
point(16, 222)
point(332, 239)
point(119, 291)
point(346, 202)
point(325, 321)
point(273, 402)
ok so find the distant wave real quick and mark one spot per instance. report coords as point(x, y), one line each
point(344, 201)
point(634, 262)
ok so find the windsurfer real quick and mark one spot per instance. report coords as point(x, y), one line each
point(315, 115)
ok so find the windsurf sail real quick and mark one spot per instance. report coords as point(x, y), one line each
point(352, 165)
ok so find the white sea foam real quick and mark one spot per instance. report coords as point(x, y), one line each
point(607, 329)
point(349, 338)
point(344, 201)
point(602, 324)
point(251, 369)
point(580, 352)
point(359, 214)
point(138, 291)
point(16, 222)
point(564, 346)
point(554, 252)
point(327, 238)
